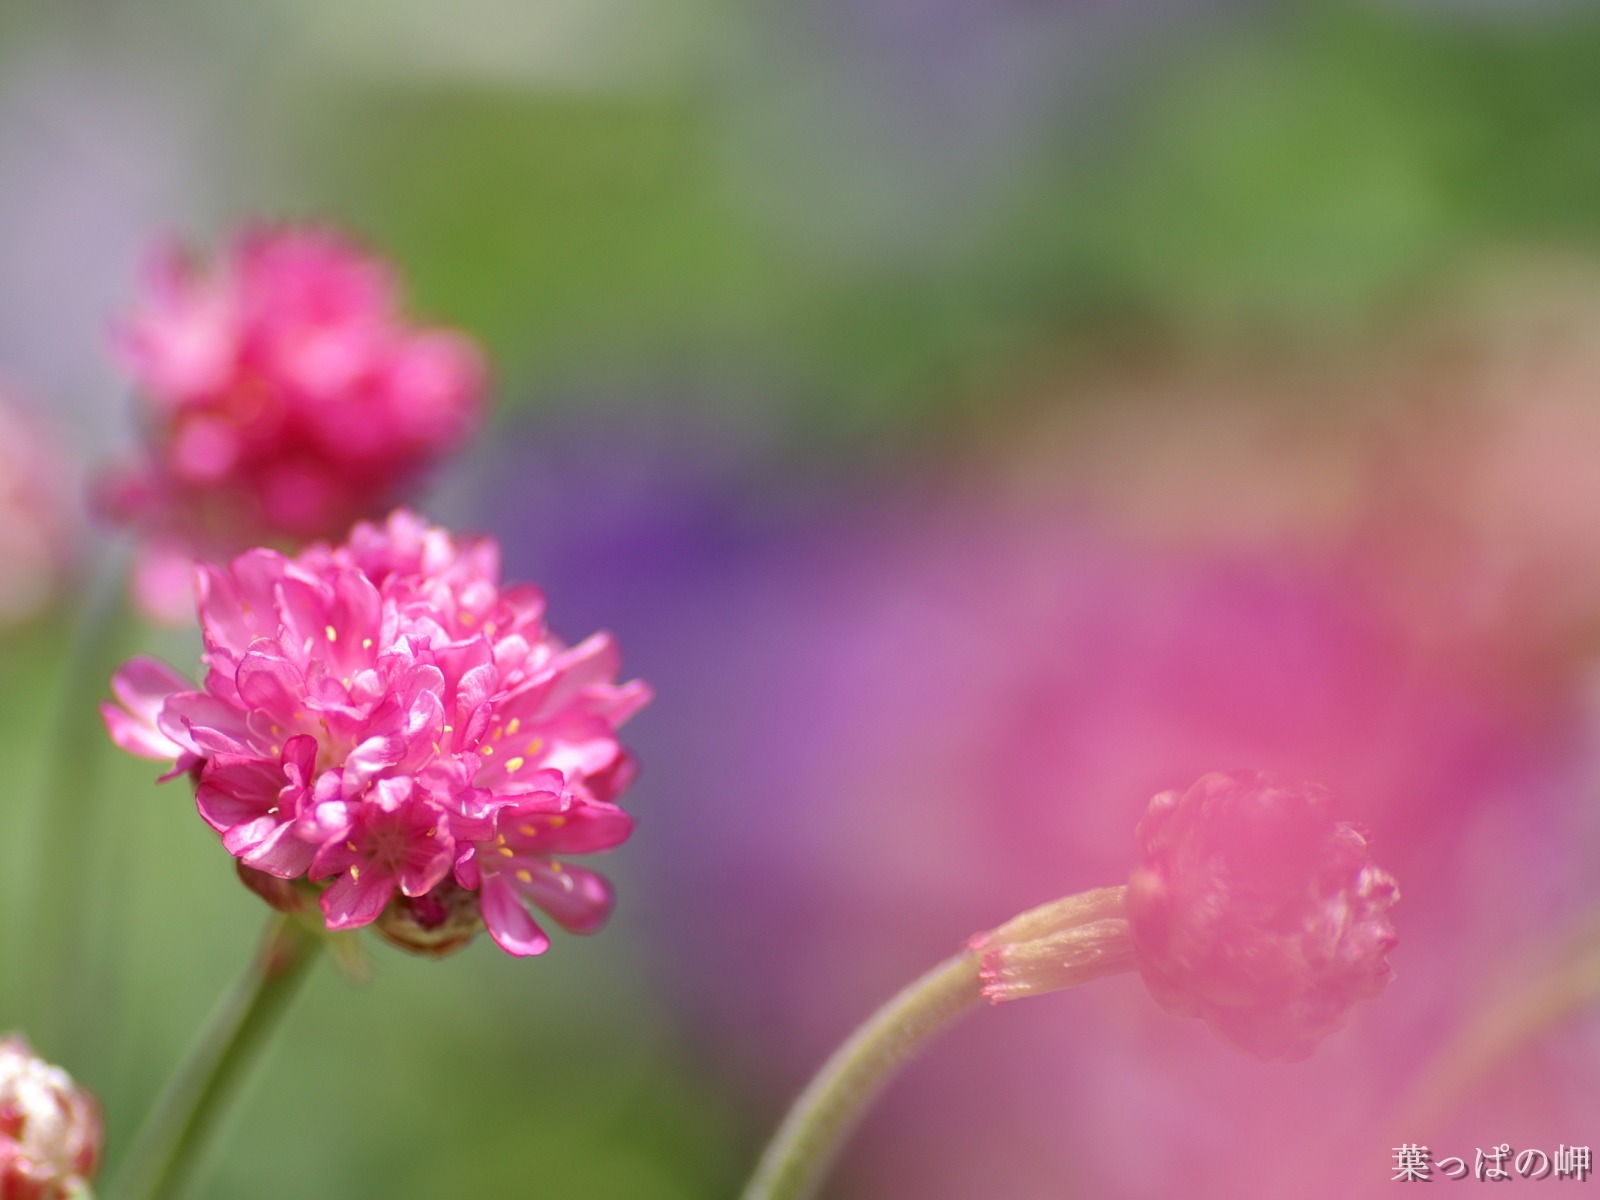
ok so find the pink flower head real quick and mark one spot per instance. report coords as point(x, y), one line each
point(384, 722)
point(285, 395)
point(50, 1128)
point(1257, 911)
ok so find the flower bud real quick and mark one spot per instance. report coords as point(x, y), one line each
point(50, 1128)
point(435, 924)
point(285, 895)
point(1255, 910)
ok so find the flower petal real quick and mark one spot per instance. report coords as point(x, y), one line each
point(513, 930)
point(356, 898)
point(142, 687)
point(578, 900)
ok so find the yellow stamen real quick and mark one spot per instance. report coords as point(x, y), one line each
point(513, 725)
point(525, 875)
point(333, 634)
point(355, 874)
point(514, 764)
point(508, 852)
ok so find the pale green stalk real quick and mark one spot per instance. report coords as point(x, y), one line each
point(1057, 945)
point(172, 1143)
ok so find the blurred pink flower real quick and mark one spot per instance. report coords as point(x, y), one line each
point(50, 1128)
point(1480, 510)
point(386, 717)
point(40, 530)
point(284, 396)
point(1257, 911)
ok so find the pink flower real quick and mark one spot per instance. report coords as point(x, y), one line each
point(1257, 911)
point(384, 722)
point(50, 1128)
point(40, 527)
point(285, 395)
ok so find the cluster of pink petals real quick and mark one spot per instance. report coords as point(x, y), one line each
point(386, 721)
point(50, 1128)
point(284, 395)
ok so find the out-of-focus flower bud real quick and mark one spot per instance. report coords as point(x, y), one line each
point(50, 1128)
point(1251, 908)
point(1254, 909)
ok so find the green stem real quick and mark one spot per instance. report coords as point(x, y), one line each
point(811, 1136)
point(171, 1143)
point(1059, 945)
point(68, 823)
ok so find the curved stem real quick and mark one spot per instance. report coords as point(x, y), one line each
point(170, 1145)
point(815, 1129)
point(1058, 945)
